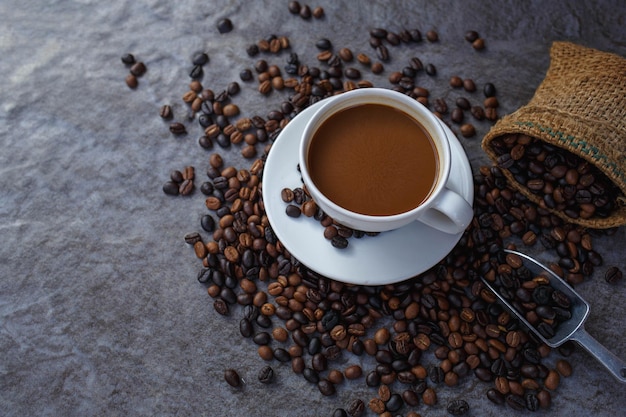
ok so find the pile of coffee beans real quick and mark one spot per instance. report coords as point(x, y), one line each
point(408, 341)
point(543, 306)
point(305, 11)
point(181, 182)
point(299, 202)
point(136, 70)
point(294, 315)
point(564, 181)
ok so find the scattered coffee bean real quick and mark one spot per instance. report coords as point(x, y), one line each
point(138, 69)
point(266, 375)
point(200, 58)
point(471, 36)
point(196, 72)
point(294, 7)
point(469, 85)
point(166, 112)
point(232, 377)
point(432, 36)
point(489, 90)
point(318, 12)
point(613, 275)
point(224, 26)
point(170, 188)
point(468, 130)
point(131, 81)
point(356, 408)
point(178, 128)
point(478, 44)
point(458, 407)
point(128, 59)
point(457, 115)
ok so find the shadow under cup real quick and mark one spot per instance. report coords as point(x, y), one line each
point(375, 160)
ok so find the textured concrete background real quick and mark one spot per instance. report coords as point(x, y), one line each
point(100, 310)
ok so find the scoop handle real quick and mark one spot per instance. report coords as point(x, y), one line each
point(601, 353)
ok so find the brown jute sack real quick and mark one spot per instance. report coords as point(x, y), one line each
point(580, 106)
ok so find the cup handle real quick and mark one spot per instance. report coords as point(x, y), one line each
point(449, 213)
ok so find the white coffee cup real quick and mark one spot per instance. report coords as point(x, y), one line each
point(443, 209)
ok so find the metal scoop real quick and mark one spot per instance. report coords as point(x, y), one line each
point(571, 329)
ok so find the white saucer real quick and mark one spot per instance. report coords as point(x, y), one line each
point(387, 258)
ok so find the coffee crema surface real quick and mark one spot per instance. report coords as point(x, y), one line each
point(373, 159)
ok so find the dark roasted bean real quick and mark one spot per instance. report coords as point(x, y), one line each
point(232, 377)
point(266, 375)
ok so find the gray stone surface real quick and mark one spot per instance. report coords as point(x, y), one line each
point(100, 311)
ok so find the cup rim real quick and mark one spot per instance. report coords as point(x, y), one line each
point(415, 110)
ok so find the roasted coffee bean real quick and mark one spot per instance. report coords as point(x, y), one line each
point(166, 112)
point(245, 327)
point(138, 69)
point(128, 59)
point(613, 275)
point(356, 408)
point(326, 387)
point(468, 130)
point(372, 379)
point(382, 53)
point(340, 412)
point(282, 355)
point(456, 81)
point(339, 242)
point(479, 44)
point(515, 401)
point(266, 375)
point(192, 238)
point(471, 36)
point(489, 90)
point(394, 403)
point(564, 367)
point(293, 211)
point(245, 75)
point(441, 106)
point(458, 407)
point(131, 81)
point(478, 112)
point(305, 12)
point(224, 25)
point(495, 397)
point(378, 32)
point(463, 103)
point(171, 188)
point(468, 85)
point(432, 36)
point(429, 397)
point(436, 374)
point(352, 73)
point(178, 128)
point(294, 7)
point(221, 307)
point(410, 397)
point(208, 223)
point(430, 69)
point(232, 378)
point(532, 402)
point(196, 72)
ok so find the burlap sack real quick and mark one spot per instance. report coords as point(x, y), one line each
point(580, 106)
